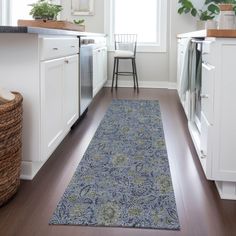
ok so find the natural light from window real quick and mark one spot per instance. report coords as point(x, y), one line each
point(138, 17)
point(19, 9)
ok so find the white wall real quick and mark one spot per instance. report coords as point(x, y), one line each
point(92, 23)
point(152, 67)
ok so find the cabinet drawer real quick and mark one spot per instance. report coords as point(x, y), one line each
point(51, 48)
point(207, 94)
point(205, 146)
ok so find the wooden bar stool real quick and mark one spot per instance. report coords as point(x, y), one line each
point(125, 49)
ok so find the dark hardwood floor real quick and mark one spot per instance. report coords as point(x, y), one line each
point(201, 211)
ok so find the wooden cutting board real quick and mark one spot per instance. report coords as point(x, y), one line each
point(221, 33)
point(64, 25)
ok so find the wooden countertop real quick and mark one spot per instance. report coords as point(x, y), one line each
point(209, 33)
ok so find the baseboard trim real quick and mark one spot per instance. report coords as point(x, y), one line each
point(30, 169)
point(226, 190)
point(144, 84)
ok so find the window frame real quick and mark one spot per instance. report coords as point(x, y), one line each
point(4, 12)
point(141, 47)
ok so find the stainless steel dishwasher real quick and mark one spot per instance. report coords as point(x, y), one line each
point(86, 73)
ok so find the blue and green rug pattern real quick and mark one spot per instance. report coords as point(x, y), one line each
point(124, 177)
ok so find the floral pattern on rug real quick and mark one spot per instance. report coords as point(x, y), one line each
point(124, 177)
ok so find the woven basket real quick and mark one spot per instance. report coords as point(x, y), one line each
point(10, 147)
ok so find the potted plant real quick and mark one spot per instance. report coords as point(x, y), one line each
point(79, 21)
point(44, 9)
point(224, 5)
point(227, 13)
point(206, 14)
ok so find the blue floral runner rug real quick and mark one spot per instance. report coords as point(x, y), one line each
point(123, 179)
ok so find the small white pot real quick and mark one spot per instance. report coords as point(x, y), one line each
point(201, 25)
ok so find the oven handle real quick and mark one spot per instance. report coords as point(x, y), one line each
point(197, 41)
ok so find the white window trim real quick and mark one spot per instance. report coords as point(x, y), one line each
point(4, 11)
point(109, 26)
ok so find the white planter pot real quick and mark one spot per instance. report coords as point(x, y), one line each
point(210, 24)
point(201, 25)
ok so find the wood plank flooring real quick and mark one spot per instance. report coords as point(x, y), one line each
point(201, 211)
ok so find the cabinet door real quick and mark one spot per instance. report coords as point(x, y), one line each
point(96, 73)
point(206, 146)
point(207, 96)
point(224, 164)
point(70, 91)
point(104, 61)
point(179, 64)
point(51, 105)
point(99, 69)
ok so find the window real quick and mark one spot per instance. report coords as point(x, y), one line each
point(12, 10)
point(3, 12)
point(147, 18)
point(19, 10)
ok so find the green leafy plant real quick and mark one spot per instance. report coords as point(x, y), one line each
point(218, 2)
point(221, 1)
point(44, 9)
point(208, 11)
point(79, 21)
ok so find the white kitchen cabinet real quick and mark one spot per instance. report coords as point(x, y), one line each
point(44, 69)
point(217, 148)
point(59, 91)
point(99, 69)
point(220, 104)
point(181, 60)
point(51, 105)
point(70, 91)
point(59, 100)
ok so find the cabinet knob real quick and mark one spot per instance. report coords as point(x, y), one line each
point(55, 49)
point(66, 61)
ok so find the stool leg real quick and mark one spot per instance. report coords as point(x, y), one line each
point(135, 67)
point(113, 76)
point(133, 73)
point(117, 71)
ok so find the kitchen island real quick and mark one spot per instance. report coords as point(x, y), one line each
point(212, 124)
point(43, 65)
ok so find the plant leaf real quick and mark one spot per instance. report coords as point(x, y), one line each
point(194, 12)
point(213, 9)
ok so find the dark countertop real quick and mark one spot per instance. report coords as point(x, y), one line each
point(36, 30)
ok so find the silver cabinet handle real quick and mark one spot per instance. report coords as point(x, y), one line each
point(204, 96)
point(72, 46)
point(55, 49)
point(207, 66)
point(203, 155)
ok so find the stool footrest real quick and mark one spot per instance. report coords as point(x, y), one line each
point(125, 73)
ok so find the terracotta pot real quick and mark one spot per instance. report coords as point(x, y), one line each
point(226, 7)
